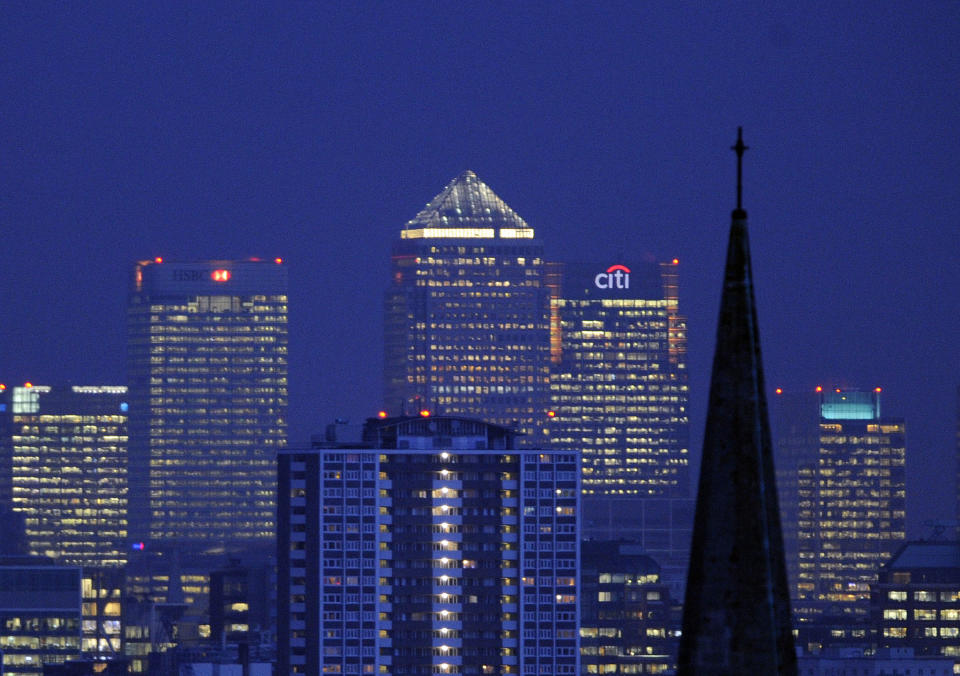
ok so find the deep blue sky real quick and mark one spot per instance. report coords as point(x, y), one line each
point(314, 131)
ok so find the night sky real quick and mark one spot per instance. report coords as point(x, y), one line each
point(314, 131)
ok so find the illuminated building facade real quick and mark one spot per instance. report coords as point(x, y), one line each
point(67, 450)
point(437, 549)
point(916, 600)
point(850, 511)
point(629, 623)
point(40, 616)
point(467, 312)
point(619, 393)
point(207, 368)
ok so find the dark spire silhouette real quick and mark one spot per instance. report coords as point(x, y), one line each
point(736, 616)
point(739, 149)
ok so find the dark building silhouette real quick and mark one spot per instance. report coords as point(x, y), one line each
point(736, 617)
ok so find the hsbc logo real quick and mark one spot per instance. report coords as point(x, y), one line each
point(616, 277)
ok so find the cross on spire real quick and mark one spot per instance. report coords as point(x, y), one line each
point(739, 148)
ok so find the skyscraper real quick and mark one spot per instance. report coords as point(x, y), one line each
point(467, 312)
point(850, 511)
point(67, 453)
point(619, 393)
point(434, 547)
point(207, 368)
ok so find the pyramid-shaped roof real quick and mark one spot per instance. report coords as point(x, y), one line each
point(467, 202)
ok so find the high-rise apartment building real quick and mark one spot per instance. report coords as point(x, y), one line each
point(847, 516)
point(65, 456)
point(619, 393)
point(435, 548)
point(467, 313)
point(207, 369)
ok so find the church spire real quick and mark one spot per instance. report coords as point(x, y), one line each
point(736, 616)
point(739, 149)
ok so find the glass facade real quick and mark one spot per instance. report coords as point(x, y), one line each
point(67, 448)
point(207, 367)
point(444, 553)
point(467, 313)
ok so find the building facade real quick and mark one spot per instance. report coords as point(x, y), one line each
point(850, 511)
point(66, 452)
point(630, 624)
point(915, 602)
point(207, 369)
point(40, 615)
point(619, 393)
point(438, 548)
point(467, 313)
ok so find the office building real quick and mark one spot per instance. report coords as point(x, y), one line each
point(207, 369)
point(915, 602)
point(437, 547)
point(66, 449)
point(40, 614)
point(629, 623)
point(882, 662)
point(850, 508)
point(619, 393)
point(467, 313)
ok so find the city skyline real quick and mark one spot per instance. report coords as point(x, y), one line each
point(311, 134)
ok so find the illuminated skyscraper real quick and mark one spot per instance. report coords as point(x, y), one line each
point(207, 367)
point(467, 312)
point(434, 547)
point(67, 450)
point(849, 515)
point(619, 392)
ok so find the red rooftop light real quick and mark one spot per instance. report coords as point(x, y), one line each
point(837, 390)
point(220, 275)
point(382, 414)
point(28, 384)
point(676, 261)
point(819, 389)
point(158, 259)
point(779, 390)
point(425, 413)
point(876, 389)
point(278, 261)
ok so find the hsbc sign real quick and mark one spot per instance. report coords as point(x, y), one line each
point(616, 277)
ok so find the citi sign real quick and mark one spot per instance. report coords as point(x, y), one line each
point(616, 277)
